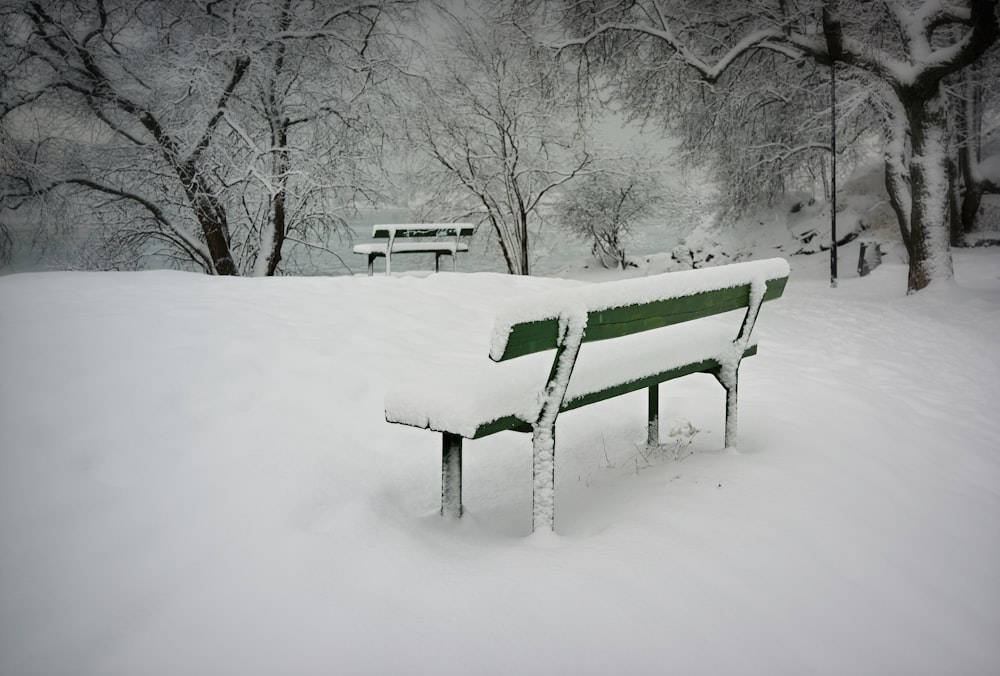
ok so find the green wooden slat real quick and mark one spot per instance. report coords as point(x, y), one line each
point(705, 366)
point(516, 424)
point(531, 337)
point(538, 336)
point(775, 287)
point(630, 319)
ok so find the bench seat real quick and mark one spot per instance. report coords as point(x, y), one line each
point(379, 249)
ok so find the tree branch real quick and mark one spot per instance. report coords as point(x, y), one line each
point(195, 248)
point(710, 72)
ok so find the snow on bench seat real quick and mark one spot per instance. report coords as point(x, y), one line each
point(411, 247)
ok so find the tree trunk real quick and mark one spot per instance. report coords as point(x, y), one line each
point(897, 175)
point(970, 124)
point(898, 188)
point(278, 229)
point(511, 268)
point(523, 252)
point(280, 161)
point(279, 215)
point(971, 201)
point(956, 236)
point(212, 218)
point(931, 188)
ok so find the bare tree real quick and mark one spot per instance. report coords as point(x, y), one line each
point(307, 125)
point(905, 50)
point(211, 133)
point(98, 60)
point(496, 121)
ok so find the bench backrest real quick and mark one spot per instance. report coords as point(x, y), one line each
point(392, 231)
point(630, 306)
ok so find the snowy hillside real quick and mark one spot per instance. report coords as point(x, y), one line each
point(197, 478)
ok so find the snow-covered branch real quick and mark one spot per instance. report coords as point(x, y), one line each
point(710, 72)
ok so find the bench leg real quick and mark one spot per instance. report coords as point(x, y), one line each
point(543, 430)
point(451, 475)
point(653, 409)
point(731, 415)
point(729, 379)
point(371, 264)
point(543, 472)
point(437, 262)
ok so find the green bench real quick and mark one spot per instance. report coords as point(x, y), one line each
point(417, 234)
point(703, 321)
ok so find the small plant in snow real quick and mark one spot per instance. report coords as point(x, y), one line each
point(681, 434)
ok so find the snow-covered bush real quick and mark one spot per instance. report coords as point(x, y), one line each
point(602, 209)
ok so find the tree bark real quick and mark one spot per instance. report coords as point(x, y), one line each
point(931, 187)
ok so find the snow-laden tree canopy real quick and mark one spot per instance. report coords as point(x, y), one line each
point(224, 136)
point(901, 54)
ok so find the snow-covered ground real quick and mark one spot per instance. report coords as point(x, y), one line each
point(196, 479)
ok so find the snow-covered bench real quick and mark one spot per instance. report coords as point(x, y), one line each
point(416, 231)
point(703, 319)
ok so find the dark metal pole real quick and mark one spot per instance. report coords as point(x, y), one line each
point(833, 174)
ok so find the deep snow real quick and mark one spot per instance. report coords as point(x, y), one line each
point(196, 478)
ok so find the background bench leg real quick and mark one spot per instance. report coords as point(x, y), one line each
point(371, 265)
point(451, 475)
point(437, 262)
point(653, 427)
point(543, 473)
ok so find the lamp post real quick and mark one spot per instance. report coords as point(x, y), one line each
point(833, 173)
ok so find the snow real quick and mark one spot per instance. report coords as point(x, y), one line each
point(989, 169)
point(196, 478)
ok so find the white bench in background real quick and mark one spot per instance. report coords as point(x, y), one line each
point(420, 234)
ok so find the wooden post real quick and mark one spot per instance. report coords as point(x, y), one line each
point(653, 428)
point(451, 475)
